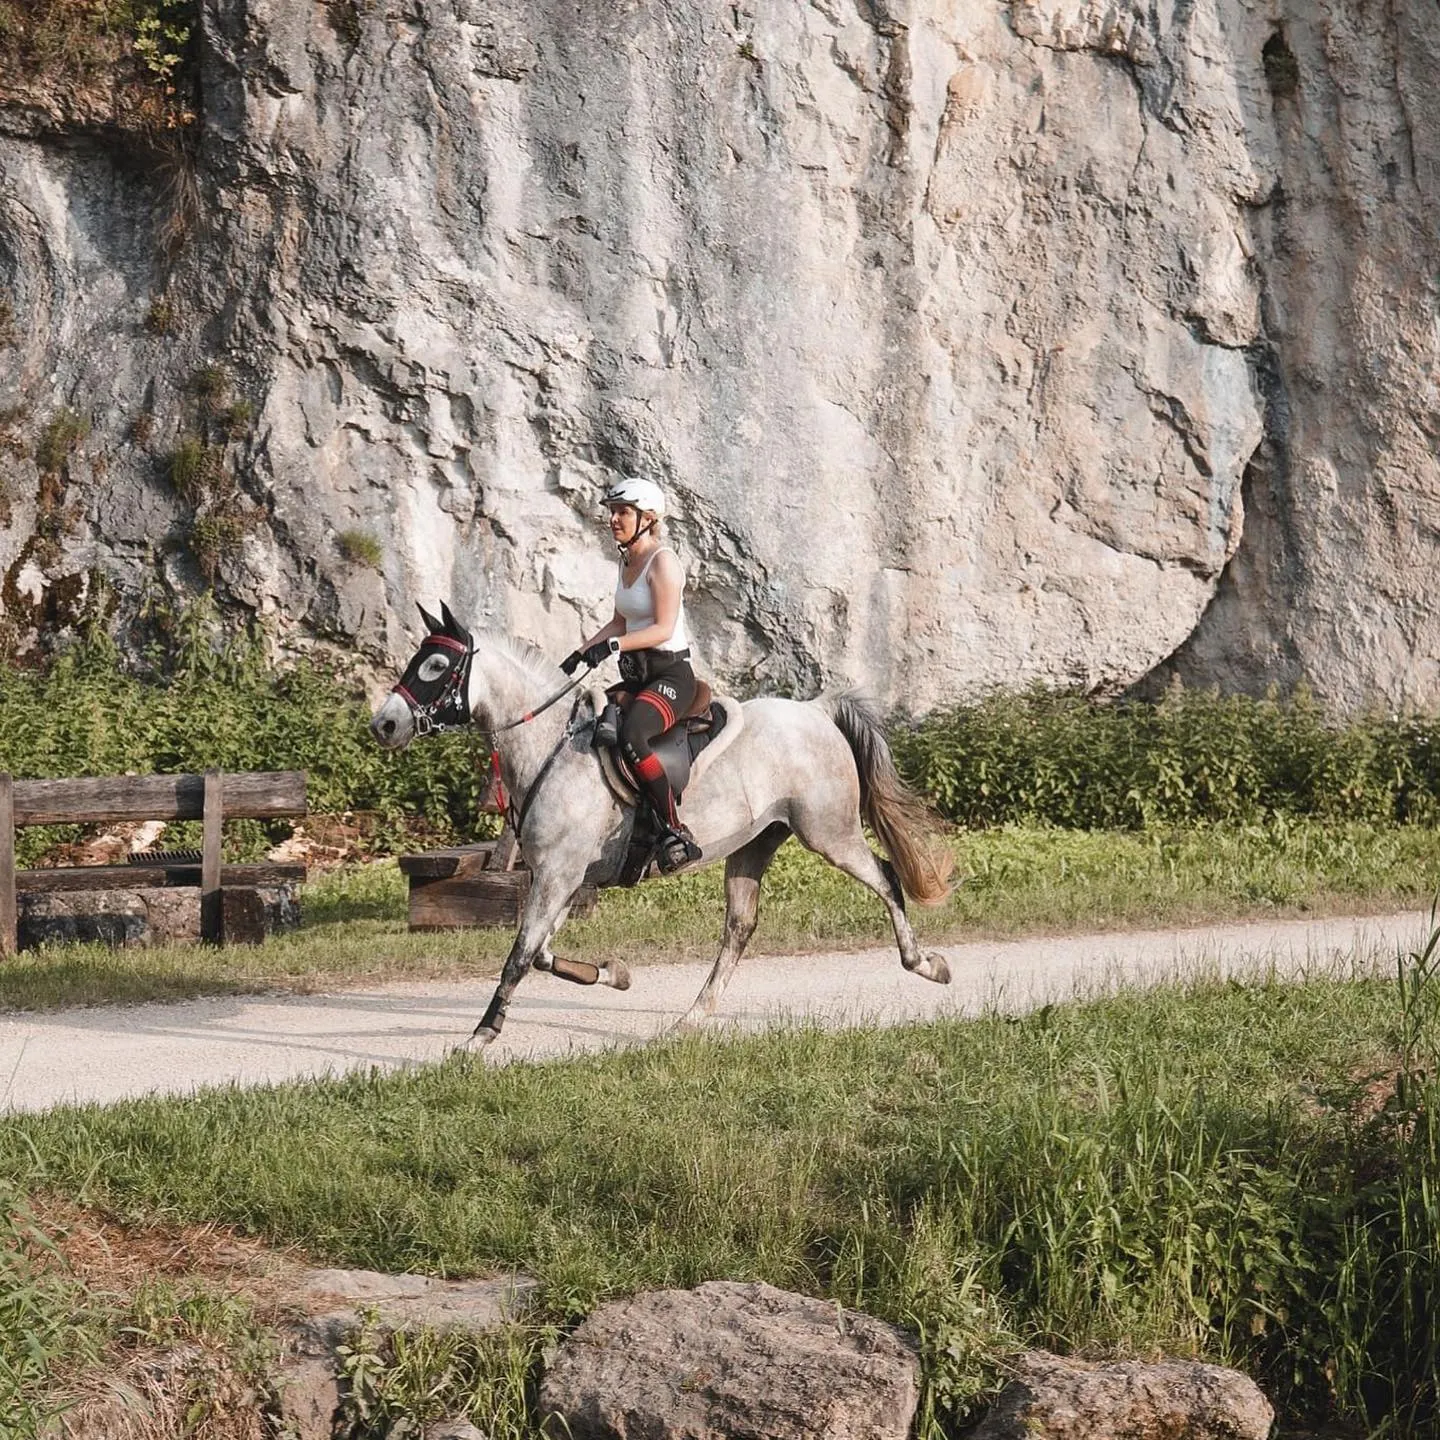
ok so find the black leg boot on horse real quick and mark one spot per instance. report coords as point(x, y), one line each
point(650, 714)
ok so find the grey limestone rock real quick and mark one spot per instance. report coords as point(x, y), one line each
point(329, 1305)
point(1052, 1398)
point(729, 1359)
point(334, 1299)
point(976, 345)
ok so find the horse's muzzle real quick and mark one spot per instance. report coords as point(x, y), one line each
point(392, 725)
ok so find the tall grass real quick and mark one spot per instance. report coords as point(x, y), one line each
point(1246, 1172)
point(38, 1328)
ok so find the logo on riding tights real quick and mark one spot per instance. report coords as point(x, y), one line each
point(665, 688)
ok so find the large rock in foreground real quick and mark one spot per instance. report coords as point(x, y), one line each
point(1058, 1399)
point(731, 1359)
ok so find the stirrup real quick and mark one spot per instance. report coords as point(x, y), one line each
point(677, 848)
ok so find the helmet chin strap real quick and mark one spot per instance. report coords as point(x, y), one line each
point(623, 546)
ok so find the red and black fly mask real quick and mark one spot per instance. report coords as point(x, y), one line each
point(436, 683)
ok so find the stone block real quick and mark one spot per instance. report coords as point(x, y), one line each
point(730, 1359)
point(1052, 1398)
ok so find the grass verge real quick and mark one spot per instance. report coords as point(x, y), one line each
point(1245, 1172)
point(1019, 880)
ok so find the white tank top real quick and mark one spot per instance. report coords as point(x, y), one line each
point(635, 604)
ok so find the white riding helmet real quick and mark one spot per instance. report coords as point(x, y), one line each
point(645, 495)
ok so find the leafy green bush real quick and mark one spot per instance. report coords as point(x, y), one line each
point(1196, 756)
point(227, 705)
point(1194, 759)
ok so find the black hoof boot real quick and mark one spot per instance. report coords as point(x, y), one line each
point(677, 849)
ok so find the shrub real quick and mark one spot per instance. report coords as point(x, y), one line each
point(59, 439)
point(161, 317)
point(212, 385)
point(359, 547)
point(137, 50)
point(217, 536)
point(235, 419)
point(1196, 756)
point(197, 470)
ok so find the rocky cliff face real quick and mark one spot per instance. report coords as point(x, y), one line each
point(976, 344)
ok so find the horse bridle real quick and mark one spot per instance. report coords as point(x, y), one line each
point(453, 695)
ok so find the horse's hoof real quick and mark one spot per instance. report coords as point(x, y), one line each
point(936, 968)
point(616, 975)
point(483, 1037)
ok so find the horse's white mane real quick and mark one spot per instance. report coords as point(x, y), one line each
point(536, 664)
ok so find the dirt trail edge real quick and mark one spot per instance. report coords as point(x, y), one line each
point(113, 1053)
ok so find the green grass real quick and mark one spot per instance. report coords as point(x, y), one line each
point(59, 1334)
point(1018, 881)
point(1200, 1170)
point(39, 1330)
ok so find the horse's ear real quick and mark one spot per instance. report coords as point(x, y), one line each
point(432, 625)
point(452, 625)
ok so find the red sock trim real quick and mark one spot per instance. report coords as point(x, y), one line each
point(649, 768)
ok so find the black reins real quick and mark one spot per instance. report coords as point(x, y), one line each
point(453, 696)
point(529, 715)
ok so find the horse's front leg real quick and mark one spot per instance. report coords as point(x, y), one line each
point(545, 907)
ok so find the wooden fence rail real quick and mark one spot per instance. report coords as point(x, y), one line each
point(211, 798)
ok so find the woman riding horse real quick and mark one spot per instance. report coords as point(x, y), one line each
point(654, 645)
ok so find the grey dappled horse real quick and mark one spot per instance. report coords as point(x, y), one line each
point(812, 768)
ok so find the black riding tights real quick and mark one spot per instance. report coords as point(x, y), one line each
point(654, 709)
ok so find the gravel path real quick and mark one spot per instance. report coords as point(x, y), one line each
point(111, 1053)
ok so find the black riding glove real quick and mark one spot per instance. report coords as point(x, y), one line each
point(600, 651)
point(571, 663)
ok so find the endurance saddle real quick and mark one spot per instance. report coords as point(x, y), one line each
point(676, 748)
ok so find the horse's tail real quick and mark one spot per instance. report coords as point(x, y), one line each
point(907, 827)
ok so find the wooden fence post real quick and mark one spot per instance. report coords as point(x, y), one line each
point(212, 818)
point(9, 923)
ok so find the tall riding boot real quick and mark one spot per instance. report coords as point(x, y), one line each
point(677, 844)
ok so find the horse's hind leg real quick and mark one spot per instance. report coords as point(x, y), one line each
point(743, 871)
point(850, 853)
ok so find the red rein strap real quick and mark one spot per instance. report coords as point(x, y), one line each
point(500, 800)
